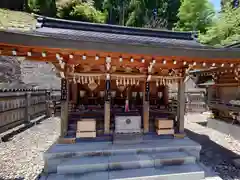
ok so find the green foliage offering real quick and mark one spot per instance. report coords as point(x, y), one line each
point(195, 15)
point(80, 11)
point(43, 7)
point(226, 29)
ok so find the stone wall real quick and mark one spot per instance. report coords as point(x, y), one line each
point(40, 74)
point(10, 70)
point(16, 73)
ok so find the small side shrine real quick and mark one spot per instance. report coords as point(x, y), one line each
point(223, 91)
point(115, 80)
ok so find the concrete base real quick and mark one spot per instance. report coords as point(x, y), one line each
point(229, 129)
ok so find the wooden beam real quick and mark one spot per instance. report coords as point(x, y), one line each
point(227, 84)
point(126, 57)
point(226, 81)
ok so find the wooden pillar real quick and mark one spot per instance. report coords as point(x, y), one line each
point(146, 98)
point(107, 116)
point(48, 99)
point(27, 117)
point(181, 106)
point(74, 93)
point(64, 107)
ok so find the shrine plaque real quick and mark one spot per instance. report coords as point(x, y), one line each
point(147, 91)
point(63, 89)
point(108, 93)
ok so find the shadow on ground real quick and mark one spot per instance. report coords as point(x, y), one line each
point(216, 156)
point(204, 124)
point(8, 137)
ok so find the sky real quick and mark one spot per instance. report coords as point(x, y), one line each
point(216, 4)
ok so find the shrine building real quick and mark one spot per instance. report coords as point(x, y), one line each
point(115, 80)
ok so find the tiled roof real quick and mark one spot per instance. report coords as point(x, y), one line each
point(112, 37)
point(74, 30)
point(56, 33)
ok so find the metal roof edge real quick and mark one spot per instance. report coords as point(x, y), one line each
point(234, 45)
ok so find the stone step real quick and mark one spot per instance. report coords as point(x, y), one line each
point(128, 138)
point(187, 171)
point(59, 153)
point(123, 161)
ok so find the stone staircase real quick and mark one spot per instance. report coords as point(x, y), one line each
point(161, 159)
point(127, 138)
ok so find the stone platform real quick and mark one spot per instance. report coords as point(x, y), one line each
point(169, 159)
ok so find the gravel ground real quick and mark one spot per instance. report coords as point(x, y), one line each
point(218, 149)
point(21, 157)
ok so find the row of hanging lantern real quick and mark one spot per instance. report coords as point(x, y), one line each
point(97, 57)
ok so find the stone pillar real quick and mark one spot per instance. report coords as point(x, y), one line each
point(27, 107)
point(181, 106)
point(107, 107)
point(146, 99)
point(64, 107)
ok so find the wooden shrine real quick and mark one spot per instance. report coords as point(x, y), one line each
point(223, 93)
point(116, 79)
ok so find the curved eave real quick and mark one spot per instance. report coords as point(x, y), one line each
point(36, 39)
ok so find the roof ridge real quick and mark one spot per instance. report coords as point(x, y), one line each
point(43, 21)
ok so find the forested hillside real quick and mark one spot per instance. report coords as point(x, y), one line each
point(215, 28)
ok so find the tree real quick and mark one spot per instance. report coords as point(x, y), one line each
point(138, 13)
point(98, 4)
point(18, 5)
point(153, 13)
point(86, 12)
point(112, 7)
point(233, 3)
point(81, 11)
point(43, 7)
point(225, 30)
point(195, 15)
point(171, 12)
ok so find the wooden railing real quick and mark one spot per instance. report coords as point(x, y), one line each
point(21, 106)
